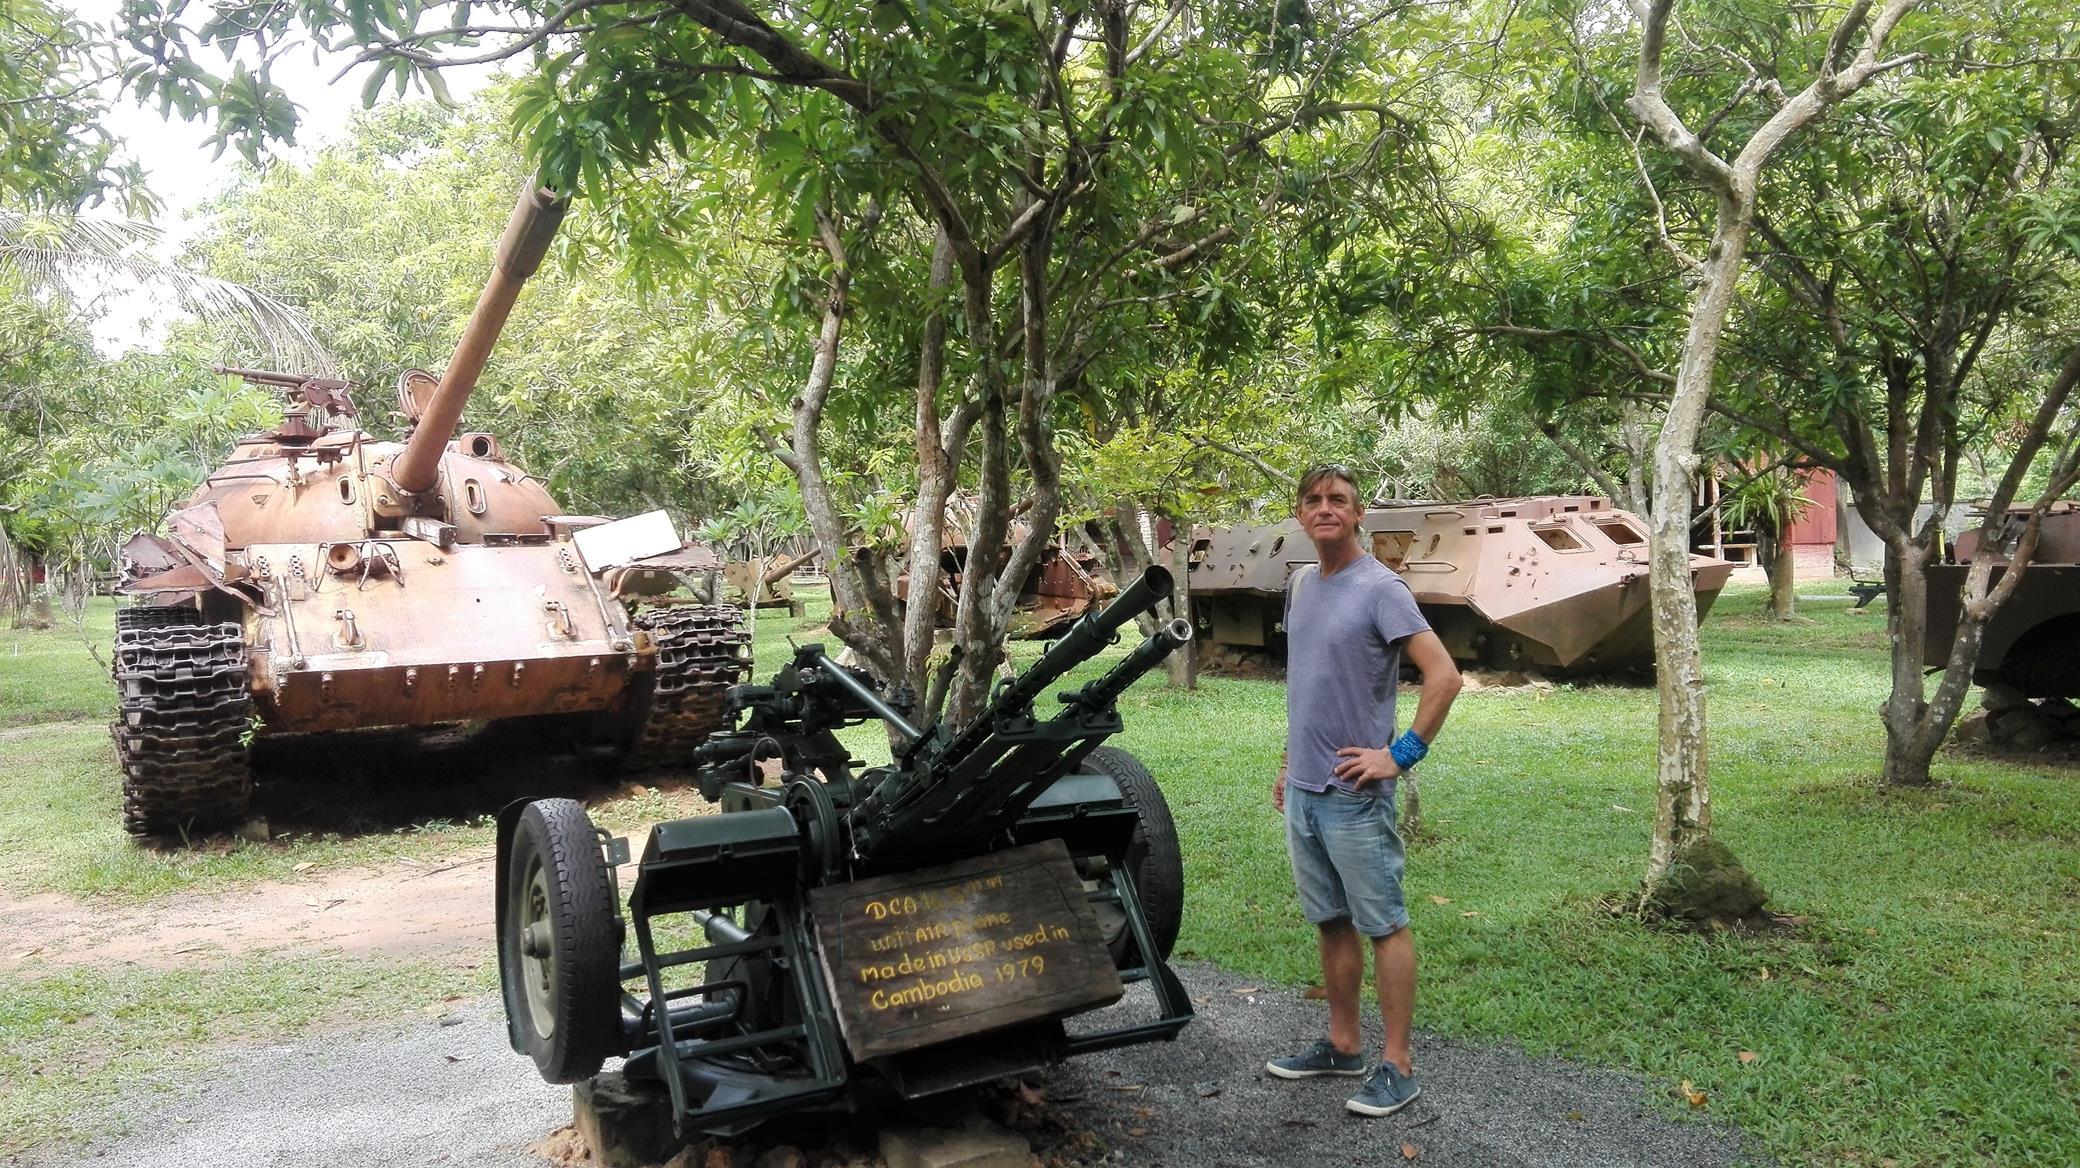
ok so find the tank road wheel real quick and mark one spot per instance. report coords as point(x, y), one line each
point(1155, 862)
point(183, 720)
point(702, 650)
point(560, 950)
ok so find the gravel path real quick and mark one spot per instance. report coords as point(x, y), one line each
point(1205, 1101)
point(455, 1095)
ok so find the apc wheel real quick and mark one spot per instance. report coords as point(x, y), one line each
point(1155, 862)
point(560, 949)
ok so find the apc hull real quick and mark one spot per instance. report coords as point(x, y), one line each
point(1557, 583)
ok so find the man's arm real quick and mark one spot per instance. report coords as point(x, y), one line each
point(1441, 683)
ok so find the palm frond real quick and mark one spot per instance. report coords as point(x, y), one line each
point(106, 251)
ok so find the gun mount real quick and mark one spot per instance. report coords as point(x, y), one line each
point(908, 928)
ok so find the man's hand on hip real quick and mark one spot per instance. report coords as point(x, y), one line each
point(1278, 790)
point(1361, 765)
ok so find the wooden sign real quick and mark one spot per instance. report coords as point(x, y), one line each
point(941, 953)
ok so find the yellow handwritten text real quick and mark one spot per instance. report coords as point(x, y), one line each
point(912, 964)
point(924, 991)
point(1041, 934)
point(1032, 966)
point(894, 906)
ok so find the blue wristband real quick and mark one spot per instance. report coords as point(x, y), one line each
point(1408, 750)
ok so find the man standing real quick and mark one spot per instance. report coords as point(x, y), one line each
point(1348, 621)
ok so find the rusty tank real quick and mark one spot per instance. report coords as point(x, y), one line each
point(1063, 584)
point(322, 580)
point(2033, 641)
point(1555, 583)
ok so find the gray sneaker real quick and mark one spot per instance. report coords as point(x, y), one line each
point(1385, 1091)
point(1320, 1059)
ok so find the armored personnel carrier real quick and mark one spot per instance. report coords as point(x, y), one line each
point(1556, 583)
point(2032, 639)
point(321, 580)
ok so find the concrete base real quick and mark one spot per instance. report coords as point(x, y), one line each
point(623, 1127)
point(976, 1143)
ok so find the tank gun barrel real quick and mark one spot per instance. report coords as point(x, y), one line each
point(520, 251)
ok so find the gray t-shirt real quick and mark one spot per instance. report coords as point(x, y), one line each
point(1343, 665)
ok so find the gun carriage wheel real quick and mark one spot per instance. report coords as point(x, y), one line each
point(1154, 861)
point(560, 942)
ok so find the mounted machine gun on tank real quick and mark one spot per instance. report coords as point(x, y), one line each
point(322, 580)
point(905, 929)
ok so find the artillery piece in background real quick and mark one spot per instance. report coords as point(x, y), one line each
point(908, 929)
point(1556, 583)
point(321, 580)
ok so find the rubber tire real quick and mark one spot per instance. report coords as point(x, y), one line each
point(1155, 861)
point(585, 992)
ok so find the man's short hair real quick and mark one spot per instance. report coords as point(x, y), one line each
point(1327, 470)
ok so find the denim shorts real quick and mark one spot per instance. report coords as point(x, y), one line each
point(1347, 858)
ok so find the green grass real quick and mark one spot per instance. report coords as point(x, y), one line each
point(1926, 1010)
point(50, 675)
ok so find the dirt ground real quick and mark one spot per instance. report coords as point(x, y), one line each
point(372, 781)
point(408, 908)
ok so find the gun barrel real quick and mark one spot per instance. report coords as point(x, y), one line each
point(866, 697)
point(520, 251)
point(1101, 693)
point(1091, 633)
point(260, 376)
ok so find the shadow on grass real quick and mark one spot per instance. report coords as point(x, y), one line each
point(372, 781)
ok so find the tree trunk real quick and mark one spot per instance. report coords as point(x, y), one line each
point(1914, 728)
point(1683, 807)
point(1907, 749)
point(936, 469)
point(1633, 434)
point(14, 583)
point(865, 609)
point(1125, 546)
point(1782, 570)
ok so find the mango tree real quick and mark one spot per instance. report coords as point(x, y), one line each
point(964, 194)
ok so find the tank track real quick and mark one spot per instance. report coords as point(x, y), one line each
point(182, 716)
point(702, 650)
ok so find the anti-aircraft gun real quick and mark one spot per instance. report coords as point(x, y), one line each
point(841, 931)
